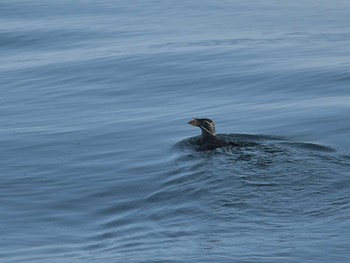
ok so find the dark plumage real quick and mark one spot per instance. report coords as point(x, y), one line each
point(209, 140)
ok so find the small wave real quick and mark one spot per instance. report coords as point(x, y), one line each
point(247, 140)
point(267, 177)
point(310, 146)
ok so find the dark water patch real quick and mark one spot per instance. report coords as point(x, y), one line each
point(270, 178)
point(295, 189)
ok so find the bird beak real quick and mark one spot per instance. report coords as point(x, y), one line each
point(194, 122)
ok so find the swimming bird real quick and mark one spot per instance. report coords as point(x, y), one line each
point(209, 140)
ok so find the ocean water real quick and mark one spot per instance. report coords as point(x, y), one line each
point(98, 163)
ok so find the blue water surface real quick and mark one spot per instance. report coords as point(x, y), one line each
point(98, 164)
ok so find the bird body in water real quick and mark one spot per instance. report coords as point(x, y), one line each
point(209, 140)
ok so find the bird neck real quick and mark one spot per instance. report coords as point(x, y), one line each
point(207, 136)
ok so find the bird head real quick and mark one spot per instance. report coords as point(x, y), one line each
point(206, 125)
